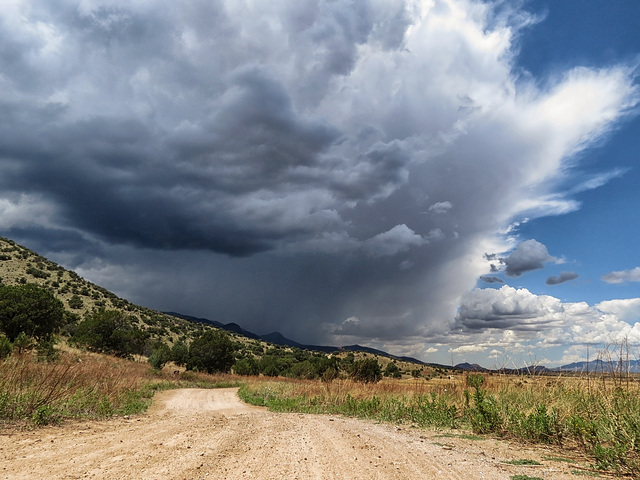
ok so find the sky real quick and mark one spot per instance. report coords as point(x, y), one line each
point(452, 180)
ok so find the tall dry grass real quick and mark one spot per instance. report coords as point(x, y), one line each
point(79, 385)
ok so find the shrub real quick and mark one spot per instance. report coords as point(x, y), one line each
point(22, 343)
point(180, 353)
point(5, 347)
point(31, 310)
point(246, 366)
point(37, 272)
point(212, 352)
point(270, 366)
point(46, 351)
point(392, 370)
point(110, 331)
point(160, 355)
point(366, 370)
point(75, 302)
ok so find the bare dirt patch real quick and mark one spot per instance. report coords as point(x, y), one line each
point(210, 434)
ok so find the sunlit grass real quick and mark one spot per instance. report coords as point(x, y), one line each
point(85, 386)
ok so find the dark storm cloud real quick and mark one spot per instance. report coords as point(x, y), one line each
point(287, 165)
point(563, 277)
point(529, 255)
point(166, 158)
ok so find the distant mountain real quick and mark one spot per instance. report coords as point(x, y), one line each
point(600, 366)
point(472, 367)
point(277, 338)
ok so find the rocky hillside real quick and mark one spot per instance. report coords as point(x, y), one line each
point(19, 265)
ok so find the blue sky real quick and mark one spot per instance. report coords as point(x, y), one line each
point(410, 176)
point(601, 236)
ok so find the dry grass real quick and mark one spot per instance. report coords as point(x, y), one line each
point(84, 385)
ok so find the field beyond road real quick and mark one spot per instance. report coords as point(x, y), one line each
point(209, 433)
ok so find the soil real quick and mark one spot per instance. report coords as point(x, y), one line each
point(210, 434)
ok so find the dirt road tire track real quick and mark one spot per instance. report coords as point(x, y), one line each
point(210, 434)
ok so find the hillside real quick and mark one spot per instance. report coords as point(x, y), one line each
point(19, 265)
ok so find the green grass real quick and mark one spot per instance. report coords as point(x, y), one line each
point(523, 461)
point(558, 459)
point(463, 436)
point(585, 473)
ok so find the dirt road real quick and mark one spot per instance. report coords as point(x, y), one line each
point(210, 434)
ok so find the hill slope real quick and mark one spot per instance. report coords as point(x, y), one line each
point(19, 265)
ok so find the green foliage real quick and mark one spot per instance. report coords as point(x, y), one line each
point(272, 365)
point(22, 343)
point(540, 426)
point(75, 302)
point(366, 370)
point(246, 366)
point(180, 353)
point(37, 273)
point(46, 351)
point(392, 370)
point(5, 347)
point(475, 380)
point(485, 416)
point(212, 352)
point(31, 310)
point(110, 331)
point(424, 411)
point(523, 461)
point(160, 355)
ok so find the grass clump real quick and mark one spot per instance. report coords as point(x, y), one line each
point(523, 461)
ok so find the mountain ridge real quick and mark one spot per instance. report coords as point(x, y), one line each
point(278, 338)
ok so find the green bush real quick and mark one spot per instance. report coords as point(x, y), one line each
point(46, 351)
point(246, 366)
point(5, 347)
point(75, 302)
point(392, 370)
point(31, 310)
point(180, 353)
point(160, 355)
point(110, 331)
point(212, 352)
point(366, 370)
